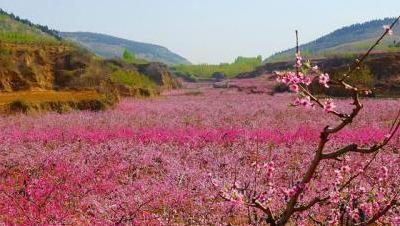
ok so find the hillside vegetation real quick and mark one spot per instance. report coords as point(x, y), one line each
point(17, 30)
point(240, 65)
point(346, 42)
point(113, 47)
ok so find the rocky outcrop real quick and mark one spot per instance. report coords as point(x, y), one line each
point(218, 76)
point(161, 74)
point(34, 67)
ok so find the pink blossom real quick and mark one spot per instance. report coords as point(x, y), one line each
point(329, 105)
point(236, 197)
point(367, 92)
point(95, 168)
point(305, 102)
point(270, 168)
point(334, 197)
point(396, 220)
point(294, 88)
point(324, 79)
point(306, 80)
point(383, 173)
point(291, 191)
point(346, 169)
point(298, 60)
point(388, 29)
point(355, 215)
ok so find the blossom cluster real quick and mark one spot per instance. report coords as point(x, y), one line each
point(149, 162)
point(299, 81)
point(388, 29)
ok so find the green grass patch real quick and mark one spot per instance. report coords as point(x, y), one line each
point(21, 37)
point(132, 79)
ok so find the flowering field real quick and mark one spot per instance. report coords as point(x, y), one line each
point(172, 161)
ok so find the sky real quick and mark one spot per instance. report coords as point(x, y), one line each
point(205, 31)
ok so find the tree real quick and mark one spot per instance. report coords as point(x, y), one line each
point(302, 199)
point(128, 56)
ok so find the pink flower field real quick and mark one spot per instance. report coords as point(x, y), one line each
point(184, 159)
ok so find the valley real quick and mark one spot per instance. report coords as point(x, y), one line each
point(96, 129)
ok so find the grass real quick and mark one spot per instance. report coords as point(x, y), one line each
point(193, 93)
point(13, 31)
point(132, 79)
point(37, 97)
point(24, 37)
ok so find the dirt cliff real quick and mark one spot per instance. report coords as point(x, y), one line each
point(40, 67)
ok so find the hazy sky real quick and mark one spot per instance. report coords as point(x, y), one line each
point(205, 31)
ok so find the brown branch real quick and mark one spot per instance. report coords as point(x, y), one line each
point(358, 62)
point(290, 206)
point(395, 121)
point(315, 220)
point(357, 108)
point(355, 148)
point(319, 103)
point(297, 42)
point(311, 204)
point(324, 138)
point(347, 183)
point(318, 200)
point(270, 218)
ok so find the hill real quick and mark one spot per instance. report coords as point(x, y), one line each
point(39, 70)
point(347, 41)
point(111, 47)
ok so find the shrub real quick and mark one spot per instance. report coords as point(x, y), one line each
point(19, 106)
point(280, 88)
point(186, 76)
point(362, 78)
point(92, 105)
point(128, 56)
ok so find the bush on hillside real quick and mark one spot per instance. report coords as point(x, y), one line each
point(362, 78)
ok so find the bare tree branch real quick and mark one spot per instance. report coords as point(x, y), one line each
point(359, 62)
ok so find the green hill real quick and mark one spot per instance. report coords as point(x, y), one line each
point(111, 47)
point(347, 41)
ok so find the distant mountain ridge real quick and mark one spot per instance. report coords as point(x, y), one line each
point(348, 40)
point(111, 47)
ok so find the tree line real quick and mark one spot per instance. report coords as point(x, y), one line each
point(240, 65)
point(43, 28)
